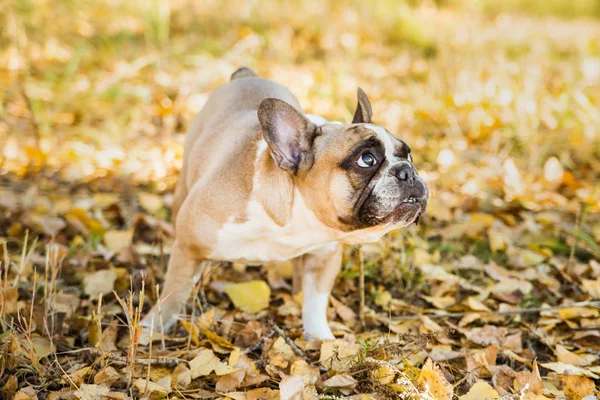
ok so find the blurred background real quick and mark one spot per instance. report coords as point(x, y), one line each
point(500, 101)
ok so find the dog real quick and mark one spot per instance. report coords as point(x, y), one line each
point(263, 182)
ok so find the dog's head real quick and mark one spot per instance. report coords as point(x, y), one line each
point(354, 177)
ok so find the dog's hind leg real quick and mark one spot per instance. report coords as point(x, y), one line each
point(243, 72)
point(178, 284)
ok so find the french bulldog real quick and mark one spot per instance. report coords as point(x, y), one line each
point(264, 182)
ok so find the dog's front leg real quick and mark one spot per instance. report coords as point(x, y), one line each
point(183, 266)
point(319, 269)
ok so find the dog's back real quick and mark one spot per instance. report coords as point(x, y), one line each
point(228, 118)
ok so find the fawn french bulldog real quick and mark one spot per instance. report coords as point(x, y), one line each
point(263, 182)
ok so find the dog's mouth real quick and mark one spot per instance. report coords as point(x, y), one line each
point(408, 210)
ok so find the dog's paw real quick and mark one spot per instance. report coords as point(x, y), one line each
point(318, 333)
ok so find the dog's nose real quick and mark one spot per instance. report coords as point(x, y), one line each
point(406, 173)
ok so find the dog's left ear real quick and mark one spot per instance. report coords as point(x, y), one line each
point(288, 133)
point(363, 113)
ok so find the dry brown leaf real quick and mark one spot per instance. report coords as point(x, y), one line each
point(592, 286)
point(206, 362)
point(569, 369)
point(531, 381)
point(577, 387)
point(280, 353)
point(182, 375)
point(91, 392)
point(107, 376)
point(341, 381)
point(343, 311)
point(154, 390)
point(432, 381)
point(567, 357)
point(339, 355)
point(99, 282)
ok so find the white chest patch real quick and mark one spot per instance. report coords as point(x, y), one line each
point(259, 239)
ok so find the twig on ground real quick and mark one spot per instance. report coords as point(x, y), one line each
point(289, 341)
point(123, 359)
point(498, 312)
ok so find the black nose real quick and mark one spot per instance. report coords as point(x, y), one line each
point(406, 173)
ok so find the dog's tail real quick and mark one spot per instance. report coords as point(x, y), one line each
point(243, 72)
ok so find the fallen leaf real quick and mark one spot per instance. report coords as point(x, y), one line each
point(341, 381)
point(532, 381)
point(567, 357)
point(339, 355)
point(107, 376)
point(91, 392)
point(577, 387)
point(250, 297)
point(206, 362)
point(592, 287)
point(291, 388)
point(99, 282)
point(481, 390)
point(280, 353)
point(578, 312)
point(116, 240)
point(150, 201)
point(432, 381)
point(182, 375)
point(569, 369)
point(155, 390)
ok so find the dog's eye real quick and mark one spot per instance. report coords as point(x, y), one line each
point(366, 160)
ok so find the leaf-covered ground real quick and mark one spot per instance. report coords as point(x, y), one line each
point(496, 293)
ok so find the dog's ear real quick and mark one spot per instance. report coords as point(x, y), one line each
point(288, 133)
point(363, 111)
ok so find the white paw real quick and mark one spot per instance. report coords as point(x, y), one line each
point(318, 333)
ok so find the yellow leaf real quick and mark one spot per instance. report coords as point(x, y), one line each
point(432, 380)
point(116, 240)
point(440, 302)
point(150, 202)
point(155, 390)
point(475, 304)
point(42, 346)
point(250, 297)
point(217, 340)
point(191, 330)
point(206, 362)
point(592, 287)
point(578, 312)
point(577, 387)
point(481, 390)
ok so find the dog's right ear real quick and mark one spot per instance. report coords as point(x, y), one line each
point(288, 133)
